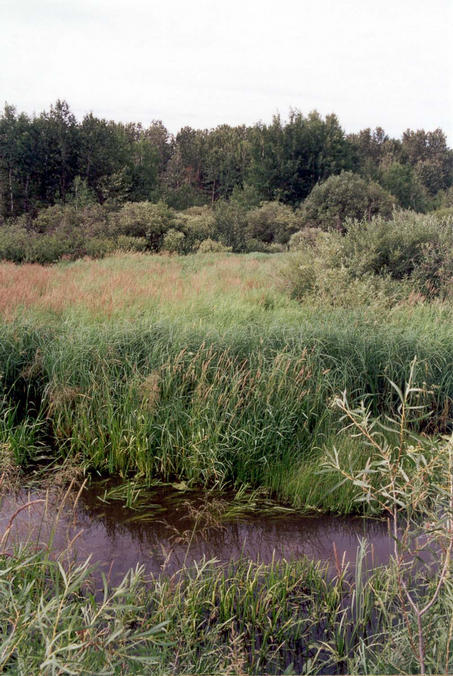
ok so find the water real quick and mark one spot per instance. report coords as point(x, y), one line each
point(173, 529)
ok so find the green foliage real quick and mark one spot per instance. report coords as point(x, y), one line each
point(197, 224)
point(257, 245)
point(288, 159)
point(285, 617)
point(50, 623)
point(137, 244)
point(98, 247)
point(13, 243)
point(303, 239)
point(410, 245)
point(173, 241)
point(230, 223)
point(56, 217)
point(52, 158)
point(145, 219)
point(271, 222)
point(212, 246)
point(410, 479)
point(345, 196)
point(20, 246)
point(430, 156)
point(401, 181)
point(375, 258)
point(246, 196)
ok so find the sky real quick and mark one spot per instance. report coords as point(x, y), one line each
point(202, 63)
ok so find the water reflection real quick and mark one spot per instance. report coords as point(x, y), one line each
point(173, 534)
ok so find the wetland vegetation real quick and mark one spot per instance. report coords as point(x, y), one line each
point(216, 372)
point(216, 345)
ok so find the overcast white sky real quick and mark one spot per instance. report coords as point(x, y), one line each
point(205, 62)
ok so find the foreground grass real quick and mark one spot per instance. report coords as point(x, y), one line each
point(280, 618)
point(203, 369)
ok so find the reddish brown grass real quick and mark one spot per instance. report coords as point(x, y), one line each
point(120, 283)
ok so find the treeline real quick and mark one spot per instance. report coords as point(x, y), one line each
point(96, 182)
point(45, 159)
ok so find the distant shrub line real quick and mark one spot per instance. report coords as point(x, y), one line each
point(85, 228)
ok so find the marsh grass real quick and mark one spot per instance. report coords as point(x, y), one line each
point(201, 369)
point(245, 617)
point(284, 617)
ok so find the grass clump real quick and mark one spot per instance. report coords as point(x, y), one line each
point(51, 623)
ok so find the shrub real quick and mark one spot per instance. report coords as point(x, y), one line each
point(173, 241)
point(54, 218)
point(197, 224)
point(443, 214)
point(258, 246)
point(230, 222)
point(399, 247)
point(45, 249)
point(98, 247)
point(13, 242)
point(342, 197)
point(303, 239)
point(246, 196)
point(212, 246)
point(145, 219)
point(92, 220)
point(271, 222)
point(137, 244)
point(387, 259)
point(20, 245)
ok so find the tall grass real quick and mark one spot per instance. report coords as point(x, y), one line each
point(285, 617)
point(203, 369)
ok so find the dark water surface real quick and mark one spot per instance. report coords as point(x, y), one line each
point(174, 528)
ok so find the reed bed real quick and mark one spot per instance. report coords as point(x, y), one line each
point(202, 369)
point(282, 618)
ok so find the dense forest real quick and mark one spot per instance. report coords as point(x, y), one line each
point(70, 188)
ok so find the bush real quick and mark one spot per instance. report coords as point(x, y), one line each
point(13, 243)
point(303, 239)
point(145, 219)
point(91, 220)
point(271, 222)
point(98, 247)
point(443, 214)
point(230, 222)
point(132, 244)
point(173, 241)
point(55, 218)
point(212, 246)
point(342, 197)
point(399, 247)
point(257, 246)
point(197, 224)
point(376, 259)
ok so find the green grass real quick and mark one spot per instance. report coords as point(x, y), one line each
point(203, 370)
point(227, 381)
point(286, 617)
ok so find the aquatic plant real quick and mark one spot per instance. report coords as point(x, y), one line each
point(410, 478)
